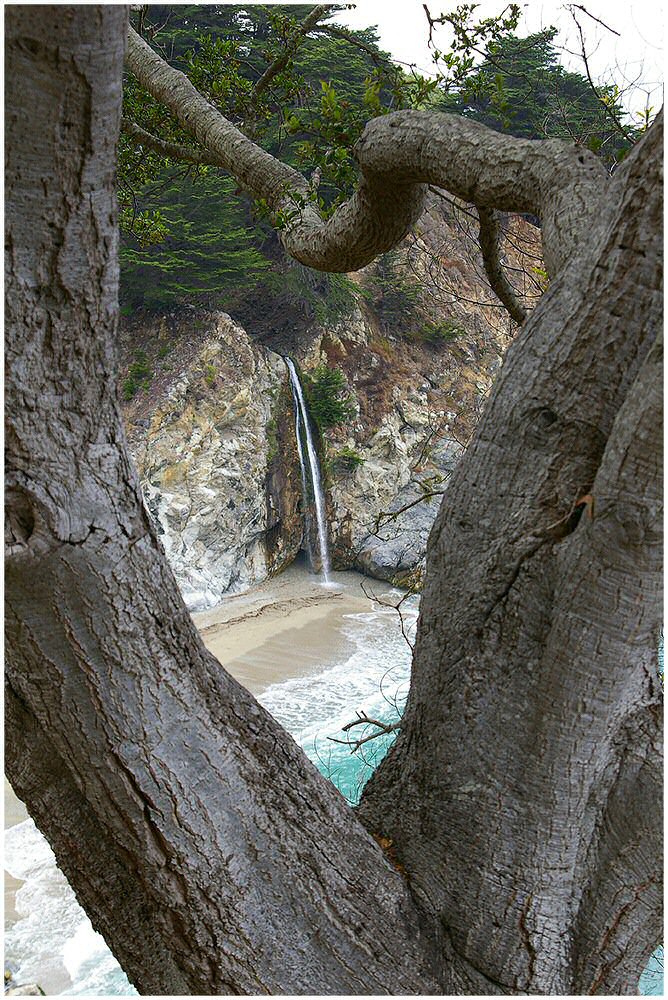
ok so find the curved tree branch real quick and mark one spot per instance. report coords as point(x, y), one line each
point(490, 235)
point(545, 706)
point(129, 740)
point(398, 154)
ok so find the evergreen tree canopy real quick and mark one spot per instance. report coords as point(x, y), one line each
point(190, 236)
point(522, 89)
point(185, 239)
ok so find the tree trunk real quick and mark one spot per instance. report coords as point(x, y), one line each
point(205, 847)
point(208, 851)
point(523, 794)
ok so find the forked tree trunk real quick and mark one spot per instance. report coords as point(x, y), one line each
point(522, 797)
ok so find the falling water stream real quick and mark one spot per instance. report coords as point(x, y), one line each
point(302, 423)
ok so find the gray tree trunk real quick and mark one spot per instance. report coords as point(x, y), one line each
point(522, 796)
point(204, 845)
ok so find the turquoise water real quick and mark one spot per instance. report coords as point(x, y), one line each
point(651, 981)
point(54, 943)
point(372, 680)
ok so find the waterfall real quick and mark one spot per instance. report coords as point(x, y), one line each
point(302, 424)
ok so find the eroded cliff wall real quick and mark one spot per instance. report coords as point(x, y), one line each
point(209, 413)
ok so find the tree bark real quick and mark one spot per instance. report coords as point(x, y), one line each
point(534, 702)
point(398, 155)
point(205, 847)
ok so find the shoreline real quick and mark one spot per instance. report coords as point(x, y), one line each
point(283, 628)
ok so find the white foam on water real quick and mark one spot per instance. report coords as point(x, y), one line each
point(53, 937)
point(374, 679)
point(53, 942)
point(92, 968)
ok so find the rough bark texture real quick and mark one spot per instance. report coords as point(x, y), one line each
point(398, 155)
point(490, 237)
point(203, 844)
point(519, 798)
point(535, 695)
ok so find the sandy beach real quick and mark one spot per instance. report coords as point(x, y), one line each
point(286, 627)
point(289, 626)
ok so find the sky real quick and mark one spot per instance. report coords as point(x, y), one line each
point(636, 53)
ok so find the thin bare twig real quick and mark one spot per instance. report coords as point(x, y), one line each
point(336, 32)
point(584, 10)
point(388, 516)
point(382, 729)
point(583, 53)
point(291, 47)
point(396, 607)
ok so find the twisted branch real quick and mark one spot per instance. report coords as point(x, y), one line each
point(398, 155)
point(490, 239)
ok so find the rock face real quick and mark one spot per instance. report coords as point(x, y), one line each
point(395, 548)
point(202, 447)
point(210, 423)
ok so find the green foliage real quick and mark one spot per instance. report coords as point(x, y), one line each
point(440, 332)
point(323, 297)
point(399, 303)
point(520, 88)
point(468, 37)
point(340, 299)
point(210, 374)
point(188, 235)
point(329, 401)
point(209, 254)
point(397, 296)
point(271, 435)
point(130, 388)
point(147, 227)
point(141, 369)
point(139, 377)
point(345, 460)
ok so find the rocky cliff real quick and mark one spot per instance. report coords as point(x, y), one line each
point(209, 412)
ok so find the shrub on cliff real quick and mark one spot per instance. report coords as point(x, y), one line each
point(329, 401)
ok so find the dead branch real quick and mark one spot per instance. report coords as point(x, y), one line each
point(335, 32)
point(583, 53)
point(291, 47)
point(173, 150)
point(387, 516)
point(584, 10)
point(382, 729)
point(396, 607)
